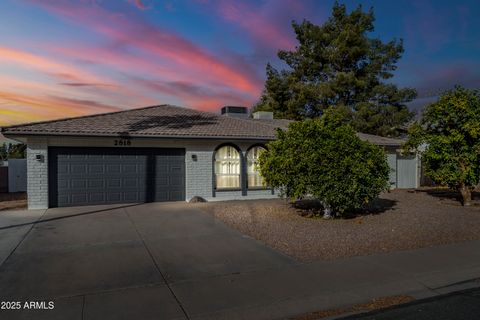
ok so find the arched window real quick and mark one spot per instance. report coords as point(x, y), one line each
point(227, 168)
point(255, 180)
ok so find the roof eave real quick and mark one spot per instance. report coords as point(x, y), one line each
point(118, 135)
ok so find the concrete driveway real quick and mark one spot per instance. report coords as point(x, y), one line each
point(172, 261)
point(118, 262)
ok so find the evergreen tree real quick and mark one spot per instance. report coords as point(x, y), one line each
point(337, 64)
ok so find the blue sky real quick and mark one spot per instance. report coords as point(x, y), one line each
point(67, 58)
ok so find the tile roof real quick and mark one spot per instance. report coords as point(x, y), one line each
point(167, 121)
point(156, 121)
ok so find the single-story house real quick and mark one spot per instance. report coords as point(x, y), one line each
point(160, 153)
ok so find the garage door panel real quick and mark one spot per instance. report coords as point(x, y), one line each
point(177, 167)
point(63, 198)
point(114, 196)
point(161, 196)
point(80, 198)
point(113, 168)
point(130, 169)
point(176, 181)
point(82, 176)
point(176, 195)
point(131, 183)
point(62, 184)
point(132, 196)
point(77, 157)
point(113, 158)
point(113, 183)
point(95, 157)
point(96, 168)
point(78, 184)
point(96, 184)
point(62, 168)
point(96, 197)
point(161, 168)
point(162, 182)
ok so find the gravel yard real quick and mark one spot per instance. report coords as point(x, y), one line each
point(408, 220)
point(12, 201)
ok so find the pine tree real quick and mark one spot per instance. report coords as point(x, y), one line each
point(337, 64)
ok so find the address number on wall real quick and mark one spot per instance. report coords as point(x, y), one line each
point(122, 142)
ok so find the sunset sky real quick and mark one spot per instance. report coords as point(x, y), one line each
point(67, 58)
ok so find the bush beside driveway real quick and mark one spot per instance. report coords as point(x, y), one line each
point(408, 220)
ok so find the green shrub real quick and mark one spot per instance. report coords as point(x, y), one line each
point(325, 159)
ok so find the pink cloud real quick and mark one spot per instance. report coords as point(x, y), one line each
point(48, 66)
point(193, 95)
point(123, 62)
point(139, 4)
point(265, 30)
point(166, 46)
point(171, 79)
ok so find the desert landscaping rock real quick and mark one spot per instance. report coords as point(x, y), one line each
point(409, 220)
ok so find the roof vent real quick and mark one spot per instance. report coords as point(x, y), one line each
point(263, 115)
point(234, 111)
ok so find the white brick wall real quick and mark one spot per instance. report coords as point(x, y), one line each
point(199, 180)
point(199, 175)
point(37, 174)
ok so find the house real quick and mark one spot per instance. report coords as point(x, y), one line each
point(159, 153)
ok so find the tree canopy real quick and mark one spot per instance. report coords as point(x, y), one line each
point(325, 159)
point(337, 64)
point(450, 134)
point(12, 151)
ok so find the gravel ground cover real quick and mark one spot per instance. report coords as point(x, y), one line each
point(13, 205)
point(403, 220)
point(9, 201)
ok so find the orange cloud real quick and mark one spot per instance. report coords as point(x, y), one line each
point(18, 108)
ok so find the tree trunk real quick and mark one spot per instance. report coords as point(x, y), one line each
point(466, 192)
point(327, 211)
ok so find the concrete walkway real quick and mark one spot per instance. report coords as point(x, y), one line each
point(171, 261)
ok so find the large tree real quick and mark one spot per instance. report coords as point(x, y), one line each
point(325, 159)
point(338, 64)
point(449, 133)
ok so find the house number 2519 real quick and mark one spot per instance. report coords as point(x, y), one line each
point(122, 142)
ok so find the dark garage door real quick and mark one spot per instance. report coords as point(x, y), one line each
point(88, 176)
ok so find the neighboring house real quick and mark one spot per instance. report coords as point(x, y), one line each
point(160, 153)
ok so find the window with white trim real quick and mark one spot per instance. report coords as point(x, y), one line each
point(227, 168)
point(255, 180)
